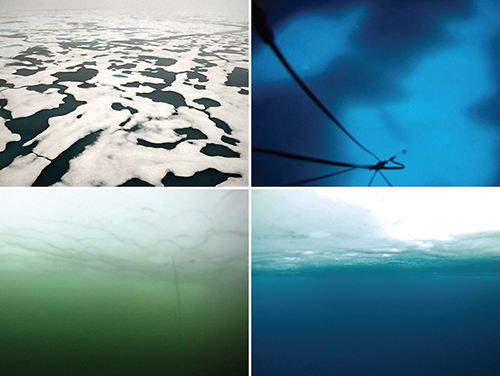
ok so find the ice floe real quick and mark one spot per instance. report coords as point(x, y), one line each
point(110, 99)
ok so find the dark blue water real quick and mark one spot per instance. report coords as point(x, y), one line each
point(376, 322)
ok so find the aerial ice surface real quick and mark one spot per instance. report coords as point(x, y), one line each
point(111, 99)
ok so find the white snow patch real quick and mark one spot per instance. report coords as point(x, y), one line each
point(22, 102)
point(6, 136)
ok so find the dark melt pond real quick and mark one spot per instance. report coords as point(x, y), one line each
point(238, 77)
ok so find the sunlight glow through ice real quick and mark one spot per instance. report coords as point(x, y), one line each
point(355, 226)
point(427, 213)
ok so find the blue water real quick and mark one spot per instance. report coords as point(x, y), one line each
point(416, 75)
point(376, 321)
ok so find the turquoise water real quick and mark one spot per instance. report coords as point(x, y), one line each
point(415, 76)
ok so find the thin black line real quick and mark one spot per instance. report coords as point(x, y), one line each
point(373, 177)
point(308, 159)
point(316, 100)
point(379, 166)
point(320, 177)
point(181, 320)
point(387, 181)
point(259, 21)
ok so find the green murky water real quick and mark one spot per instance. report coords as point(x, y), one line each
point(83, 324)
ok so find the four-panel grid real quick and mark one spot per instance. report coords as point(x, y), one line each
point(264, 187)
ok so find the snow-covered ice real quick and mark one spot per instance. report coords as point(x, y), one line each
point(110, 99)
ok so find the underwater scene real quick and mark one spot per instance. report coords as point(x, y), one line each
point(341, 86)
point(120, 282)
point(375, 282)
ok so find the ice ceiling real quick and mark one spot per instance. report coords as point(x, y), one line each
point(134, 231)
point(110, 98)
point(416, 75)
point(410, 226)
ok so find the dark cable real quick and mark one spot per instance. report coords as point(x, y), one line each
point(305, 181)
point(379, 166)
point(181, 320)
point(373, 177)
point(259, 21)
point(387, 181)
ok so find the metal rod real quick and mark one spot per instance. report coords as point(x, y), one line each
point(181, 320)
